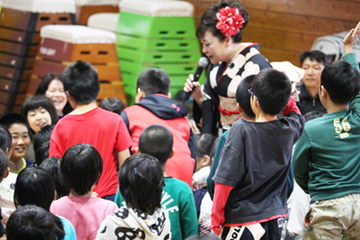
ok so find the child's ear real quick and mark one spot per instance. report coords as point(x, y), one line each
point(137, 150)
point(205, 161)
point(240, 108)
point(71, 100)
point(254, 104)
point(8, 152)
point(172, 153)
point(6, 174)
point(68, 95)
point(140, 94)
point(323, 92)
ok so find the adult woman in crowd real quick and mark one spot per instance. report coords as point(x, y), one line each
point(220, 32)
point(52, 87)
point(40, 112)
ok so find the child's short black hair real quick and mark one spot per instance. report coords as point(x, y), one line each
point(243, 96)
point(153, 80)
point(156, 141)
point(272, 89)
point(204, 144)
point(52, 166)
point(34, 223)
point(42, 143)
point(5, 139)
point(37, 101)
point(81, 81)
point(4, 164)
point(341, 81)
point(314, 55)
point(81, 168)
point(113, 104)
point(9, 119)
point(141, 182)
point(34, 186)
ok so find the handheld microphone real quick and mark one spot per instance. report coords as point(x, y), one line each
point(203, 62)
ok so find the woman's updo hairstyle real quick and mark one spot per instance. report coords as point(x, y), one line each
point(208, 20)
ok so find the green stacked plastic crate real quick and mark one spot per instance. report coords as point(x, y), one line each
point(146, 41)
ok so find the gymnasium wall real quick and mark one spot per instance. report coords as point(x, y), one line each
point(285, 28)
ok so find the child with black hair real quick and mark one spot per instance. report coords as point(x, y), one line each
point(245, 112)
point(203, 148)
point(4, 171)
point(299, 200)
point(326, 158)
point(141, 183)
point(253, 202)
point(39, 112)
point(4, 165)
point(52, 166)
point(36, 186)
point(177, 197)
point(88, 123)
point(7, 178)
point(80, 169)
point(5, 141)
point(20, 133)
point(42, 144)
point(34, 223)
point(5, 147)
point(154, 106)
point(206, 145)
point(112, 104)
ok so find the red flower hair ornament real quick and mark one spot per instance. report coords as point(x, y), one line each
point(230, 21)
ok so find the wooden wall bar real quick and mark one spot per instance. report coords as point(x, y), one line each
point(285, 28)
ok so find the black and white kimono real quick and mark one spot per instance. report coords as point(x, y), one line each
point(219, 104)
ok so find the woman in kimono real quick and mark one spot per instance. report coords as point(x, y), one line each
point(220, 32)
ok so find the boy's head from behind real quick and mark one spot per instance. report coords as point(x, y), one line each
point(34, 223)
point(81, 168)
point(5, 141)
point(341, 82)
point(157, 141)
point(272, 90)
point(4, 165)
point(34, 186)
point(243, 96)
point(203, 149)
point(81, 81)
point(42, 143)
point(52, 166)
point(113, 104)
point(141, 182)
point(151, 81)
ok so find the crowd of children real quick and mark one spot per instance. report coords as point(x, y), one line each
point(139, 172)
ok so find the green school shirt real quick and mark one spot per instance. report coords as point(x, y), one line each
point(326, 158)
